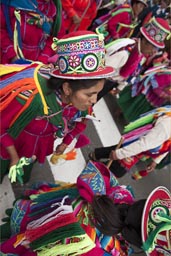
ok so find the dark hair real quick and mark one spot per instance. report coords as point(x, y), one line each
point(136, 2)
point(112, 219)
point(109, 218)
point(56, 83)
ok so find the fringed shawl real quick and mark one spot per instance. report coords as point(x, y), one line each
point(52, 227)
point(29, 88)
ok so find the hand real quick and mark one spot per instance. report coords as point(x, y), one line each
point(76, 19)
point(14, 158)
point(14, 59)
point(60, 148)
point(151, 167)
point(16, 171)
point(113, 155)
point(14, 161)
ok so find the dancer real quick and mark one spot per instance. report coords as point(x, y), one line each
point(27, 30)
point(147, 138)
point(38, 107)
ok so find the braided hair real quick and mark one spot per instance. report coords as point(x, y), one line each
point(112, 219)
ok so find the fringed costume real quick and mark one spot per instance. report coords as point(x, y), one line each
point(33, 116)
point(57, 219)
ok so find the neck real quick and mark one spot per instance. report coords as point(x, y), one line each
point(65, 99)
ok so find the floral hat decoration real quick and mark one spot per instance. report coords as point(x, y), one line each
point(156, 31)
point(156, 223)
point(81, 55)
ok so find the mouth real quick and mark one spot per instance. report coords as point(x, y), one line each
point(86, 107)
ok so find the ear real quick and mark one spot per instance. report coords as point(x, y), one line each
point(66, 89)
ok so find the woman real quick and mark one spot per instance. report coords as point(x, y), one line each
point(139, 64)
point(145, 223)
point(133, 57)
point(121, 21)
point(42, 107)
point(27, 29)
point(78, 15)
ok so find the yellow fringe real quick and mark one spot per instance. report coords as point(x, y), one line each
point(7, 69)
point(78, 248)
point(45, 107)
point(71, 155)
point(16, 46)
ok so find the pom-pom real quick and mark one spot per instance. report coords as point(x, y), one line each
point(139, 174)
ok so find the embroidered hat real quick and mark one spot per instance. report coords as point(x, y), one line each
point(156, 31)
point(81, 55)
point(141, 1)
point(97, 179)
point(156, 223)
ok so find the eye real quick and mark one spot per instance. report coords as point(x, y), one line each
point(89, 95)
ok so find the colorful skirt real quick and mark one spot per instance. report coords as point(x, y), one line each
point(132, 107)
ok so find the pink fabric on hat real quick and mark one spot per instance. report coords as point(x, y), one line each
point(122, 195)
point(83, 186)
point(53, 59)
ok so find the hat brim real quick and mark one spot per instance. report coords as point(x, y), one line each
point(159, 45)
point(141, 1)
point(158, 193)
point(105, 73)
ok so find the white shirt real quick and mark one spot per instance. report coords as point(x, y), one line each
point(160, 133)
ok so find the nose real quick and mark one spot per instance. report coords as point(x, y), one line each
point(93, 99)
point(153, 49)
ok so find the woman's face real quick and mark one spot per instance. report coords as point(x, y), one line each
point(84, 98)
point(138, 8)
point(147, 48)
point(163, 4)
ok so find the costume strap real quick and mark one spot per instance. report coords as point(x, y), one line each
point(17, 35)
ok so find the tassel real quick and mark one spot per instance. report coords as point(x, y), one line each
point(16, 171)
point(71, 155)
point(82, 141)
point(139, 174)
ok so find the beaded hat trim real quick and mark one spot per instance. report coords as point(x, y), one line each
point(81, 57)
point(155, 33)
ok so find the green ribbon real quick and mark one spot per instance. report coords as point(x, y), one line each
point(165, 225)
point(16, 171)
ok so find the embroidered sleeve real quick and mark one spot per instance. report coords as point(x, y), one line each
point(79, 127)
